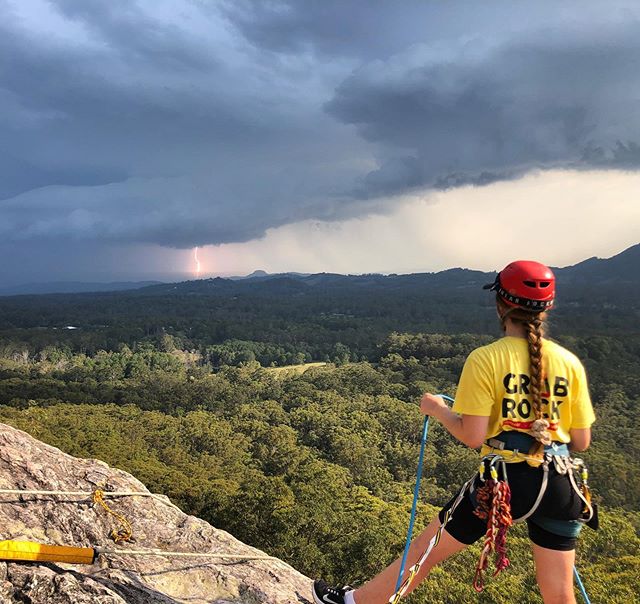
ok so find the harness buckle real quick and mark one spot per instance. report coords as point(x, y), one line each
point(562, 464)
point(494, 443)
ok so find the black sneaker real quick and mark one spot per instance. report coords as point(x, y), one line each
point(323, 593)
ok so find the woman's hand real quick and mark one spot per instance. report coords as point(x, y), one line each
point(468, 429)
point(430, 404)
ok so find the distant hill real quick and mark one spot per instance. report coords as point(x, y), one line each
point(260, 274)
point(70, 287)
point(622, 267)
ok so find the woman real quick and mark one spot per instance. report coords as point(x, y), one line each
point(525, 399)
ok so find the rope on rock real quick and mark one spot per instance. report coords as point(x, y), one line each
point(120, 535)
point(30, 551)
point(171, 554)
point(89, 494)
point(125, 532)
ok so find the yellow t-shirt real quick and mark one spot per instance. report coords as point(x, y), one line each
point(495, 380)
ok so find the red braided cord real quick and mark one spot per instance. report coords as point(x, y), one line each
point(494, 506)
point(484, 497)
point(504, 520)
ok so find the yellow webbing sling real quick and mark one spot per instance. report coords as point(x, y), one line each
point(36, 552)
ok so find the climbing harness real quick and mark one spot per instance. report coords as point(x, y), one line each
point(558, 454)
point(494, 497)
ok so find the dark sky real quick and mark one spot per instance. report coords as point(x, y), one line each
point(130, 127)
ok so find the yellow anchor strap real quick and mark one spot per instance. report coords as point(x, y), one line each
point(37, 552)
point(29, 551)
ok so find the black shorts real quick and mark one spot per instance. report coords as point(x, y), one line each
point(559, 509)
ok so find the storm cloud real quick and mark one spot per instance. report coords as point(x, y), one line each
point(183, 124)
point(484, 112)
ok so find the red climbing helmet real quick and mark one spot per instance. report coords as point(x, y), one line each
point(525, 284)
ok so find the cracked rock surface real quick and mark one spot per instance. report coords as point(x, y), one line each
point(28, 464)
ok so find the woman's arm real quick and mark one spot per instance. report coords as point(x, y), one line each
point(580, 439)
point(468, 429)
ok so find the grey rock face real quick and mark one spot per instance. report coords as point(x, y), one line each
point(26, 463)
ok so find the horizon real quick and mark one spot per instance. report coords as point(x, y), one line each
point(187, 277)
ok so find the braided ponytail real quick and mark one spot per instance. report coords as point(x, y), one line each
point(534, 325)
point(534, 339)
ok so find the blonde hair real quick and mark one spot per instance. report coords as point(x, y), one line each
point(534, 324)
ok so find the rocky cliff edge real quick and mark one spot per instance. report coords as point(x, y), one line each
point(28, 464)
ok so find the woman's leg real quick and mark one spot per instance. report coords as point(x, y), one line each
point(554, 573)
point(379, 589)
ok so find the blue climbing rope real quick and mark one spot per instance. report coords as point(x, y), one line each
point(416, 493)
point(583, 591)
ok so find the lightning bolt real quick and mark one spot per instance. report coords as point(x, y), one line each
point(195, 257)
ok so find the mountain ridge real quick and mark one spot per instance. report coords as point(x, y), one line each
point(624, 266)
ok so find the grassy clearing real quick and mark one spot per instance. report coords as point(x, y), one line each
point(293, 369)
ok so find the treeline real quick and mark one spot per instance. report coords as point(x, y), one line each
point(297, 318)
point(285, 313)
